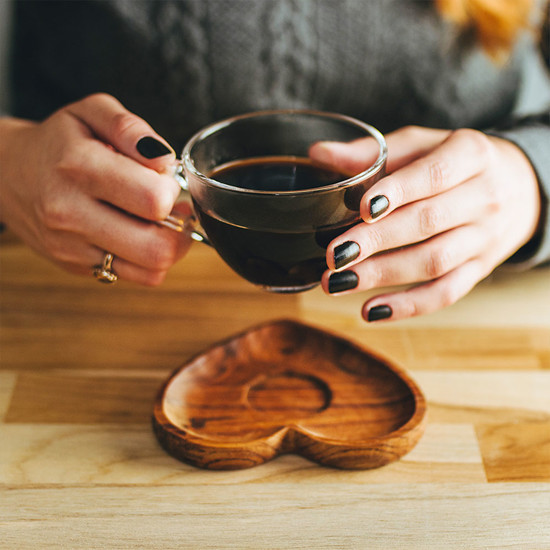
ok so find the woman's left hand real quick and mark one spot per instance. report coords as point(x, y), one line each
point(454, 206)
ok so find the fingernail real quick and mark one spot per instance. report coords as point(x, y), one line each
point(344, 280)
point(377, 313)
point(378, 205)
point(151, 148)
point(345, 253)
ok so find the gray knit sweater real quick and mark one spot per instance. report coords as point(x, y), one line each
point(182, 64)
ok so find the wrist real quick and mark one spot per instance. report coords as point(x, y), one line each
point(531, 200)
point(11, 130)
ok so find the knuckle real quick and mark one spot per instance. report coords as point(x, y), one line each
point(448, 295)
point(158, 203)
point(56, 215)
point(98, 98)
point(72, 161)
point(476, 142)
point(399, 191)
point(495, 193)
point(373, 241)
point(430, 219)
point(383, 275)
point(494, 198)
point(409, 307)
point(437, 175)
point(411, 131)
point(162, 254)
point(439, 263)
point(122, 124)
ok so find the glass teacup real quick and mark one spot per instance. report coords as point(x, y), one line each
point(268, 210)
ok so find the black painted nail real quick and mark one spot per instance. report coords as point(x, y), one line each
point(345, 253)
point(379, 312)
point(378, 205)
point(151, 148)
point(343, 280)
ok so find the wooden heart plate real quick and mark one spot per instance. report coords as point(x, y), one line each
point(286, 387)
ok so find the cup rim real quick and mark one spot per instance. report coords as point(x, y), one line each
point(348, 182)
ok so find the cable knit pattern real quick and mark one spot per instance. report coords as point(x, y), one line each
point(179, 30)
point(183, 63)
point(289, 53)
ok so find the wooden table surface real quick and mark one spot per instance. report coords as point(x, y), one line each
point(80, 467)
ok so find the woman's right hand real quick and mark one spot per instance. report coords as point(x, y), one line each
point(92, 178)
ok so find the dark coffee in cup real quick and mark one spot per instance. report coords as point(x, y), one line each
point(279, 257)
point(275, 174)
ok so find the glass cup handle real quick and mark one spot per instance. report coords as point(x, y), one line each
point(185, 225)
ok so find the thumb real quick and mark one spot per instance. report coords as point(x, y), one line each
point(347, 158)
point(404, 146)
point(129, 134)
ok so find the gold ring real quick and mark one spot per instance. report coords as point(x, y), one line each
point(103, 272)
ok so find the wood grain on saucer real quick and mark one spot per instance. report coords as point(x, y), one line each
point(285, 387)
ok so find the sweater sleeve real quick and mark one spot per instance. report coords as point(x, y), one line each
point(532, 135)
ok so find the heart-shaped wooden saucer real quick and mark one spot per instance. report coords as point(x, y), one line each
point(286, 387)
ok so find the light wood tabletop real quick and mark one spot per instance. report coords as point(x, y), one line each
point(80, 467)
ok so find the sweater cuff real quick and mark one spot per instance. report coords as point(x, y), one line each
point(533, 138)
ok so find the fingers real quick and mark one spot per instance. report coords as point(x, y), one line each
point(153, 273)
point(432, 174)
point(404, 145)
point(425, 298)
point(128, 271)
point(130, 186)
point(410, 224)
point(141, 243)
point(450, 269)
point(410, 143)
point(345, 158)
point(426, 261)
point(143, 251)
point(90, 257)
point(119, 194)
point(126, 132)
point(101, 159)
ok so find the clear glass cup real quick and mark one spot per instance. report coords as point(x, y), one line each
point(261, 203)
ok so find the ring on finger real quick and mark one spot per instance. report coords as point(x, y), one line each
point(104, 272)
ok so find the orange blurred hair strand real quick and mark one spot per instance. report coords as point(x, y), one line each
point(495, 23)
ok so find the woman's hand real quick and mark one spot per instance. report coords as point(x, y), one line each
point(91, 178)
point(453, 207)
